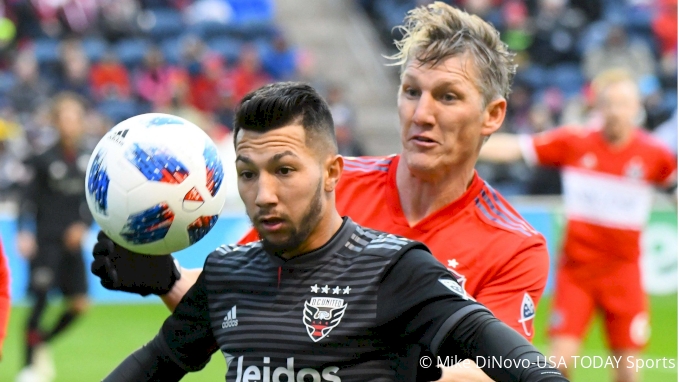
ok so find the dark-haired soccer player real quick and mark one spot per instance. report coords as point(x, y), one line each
point(319, 298)
point(54, 199)
point(456, 75)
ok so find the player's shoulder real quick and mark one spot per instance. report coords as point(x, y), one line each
point(232, 254)
point(650, 142)
point(369, 241)
point(367, 166)
point(494, 213)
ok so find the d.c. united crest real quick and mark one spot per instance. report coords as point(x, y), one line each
point(321, 315)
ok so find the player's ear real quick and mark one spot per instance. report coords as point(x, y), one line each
point(494, 114)
point(333, 171)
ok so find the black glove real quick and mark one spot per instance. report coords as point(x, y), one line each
point(124, 270)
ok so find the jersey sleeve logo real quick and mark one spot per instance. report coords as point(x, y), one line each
point(454, 287)
point(321, 315)
point(527, 314)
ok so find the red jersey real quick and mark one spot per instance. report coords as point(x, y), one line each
point(498, 258)
point(608, 191)
point(4, 297)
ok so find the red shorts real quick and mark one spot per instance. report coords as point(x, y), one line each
point(617, 293)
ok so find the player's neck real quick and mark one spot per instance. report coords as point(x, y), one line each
point(619, 140)
point(421, 197)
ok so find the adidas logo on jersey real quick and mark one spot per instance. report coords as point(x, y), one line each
point(230, 320)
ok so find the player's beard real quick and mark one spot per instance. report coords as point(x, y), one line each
point(298, 234)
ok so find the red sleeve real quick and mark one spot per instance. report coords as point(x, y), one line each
point(4, 296)
point(249, 237)
point(666, 173)
point(552, 148)
point(513, 295)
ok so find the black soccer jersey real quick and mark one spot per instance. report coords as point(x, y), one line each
point(55, 195)
point(343, 312)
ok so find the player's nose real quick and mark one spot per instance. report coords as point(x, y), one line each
point(266, 191)
point(423, 115)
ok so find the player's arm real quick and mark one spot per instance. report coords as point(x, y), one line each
point(120, 269)
point(184, 344)
point(26, 241)
point(501, 148)
point(551, 148)
point(421, 300)
point(186, 280)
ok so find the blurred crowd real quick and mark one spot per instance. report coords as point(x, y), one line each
point(194, 59)
point(561, 45)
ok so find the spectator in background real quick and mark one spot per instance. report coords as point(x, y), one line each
point(109, 78)
point(29, 91)
point(343, 118)
point(13, 149)
point(557, 28)
point(61, 17)
point(248, 74)
point(204, 85)
point(75, 72)
point(619, 52)
point(157, 83)
point(665, 26)
point(281, 60)
point(118, 18)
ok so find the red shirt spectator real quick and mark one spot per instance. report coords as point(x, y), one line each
point(109, 78)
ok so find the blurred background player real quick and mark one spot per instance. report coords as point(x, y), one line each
point(4, 298)
point(54, 200)
point(608, 174)
point(431, 192)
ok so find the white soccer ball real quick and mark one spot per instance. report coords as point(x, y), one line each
point(155, 184)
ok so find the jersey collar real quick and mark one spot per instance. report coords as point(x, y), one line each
point(432, 221)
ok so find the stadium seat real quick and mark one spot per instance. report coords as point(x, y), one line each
point(46, 51)
point(165, 23)
point(131, 51)
point(172, 50)
point(252, 31)
point(211, 29)
point(7, 80)
point(568, 78)
point(94, 48)
point(533, 76)
point(228, 48)
point(119, 110)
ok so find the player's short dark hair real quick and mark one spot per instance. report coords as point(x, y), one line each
point(284, 103)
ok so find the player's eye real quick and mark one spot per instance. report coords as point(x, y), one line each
point(246, 175)
point(449, 97)
point(284, 171)
point(411, 92)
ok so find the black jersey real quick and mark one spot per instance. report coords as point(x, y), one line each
point(344, 312)
point(55, 195)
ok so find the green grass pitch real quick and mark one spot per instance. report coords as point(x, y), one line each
point(99, 341)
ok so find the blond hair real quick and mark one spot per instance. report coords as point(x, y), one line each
point(438, 31)
point(610, 77)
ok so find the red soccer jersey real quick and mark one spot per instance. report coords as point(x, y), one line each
point(498, 258)
point(607, 191)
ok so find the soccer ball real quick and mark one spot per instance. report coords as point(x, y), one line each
point(155, 184)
